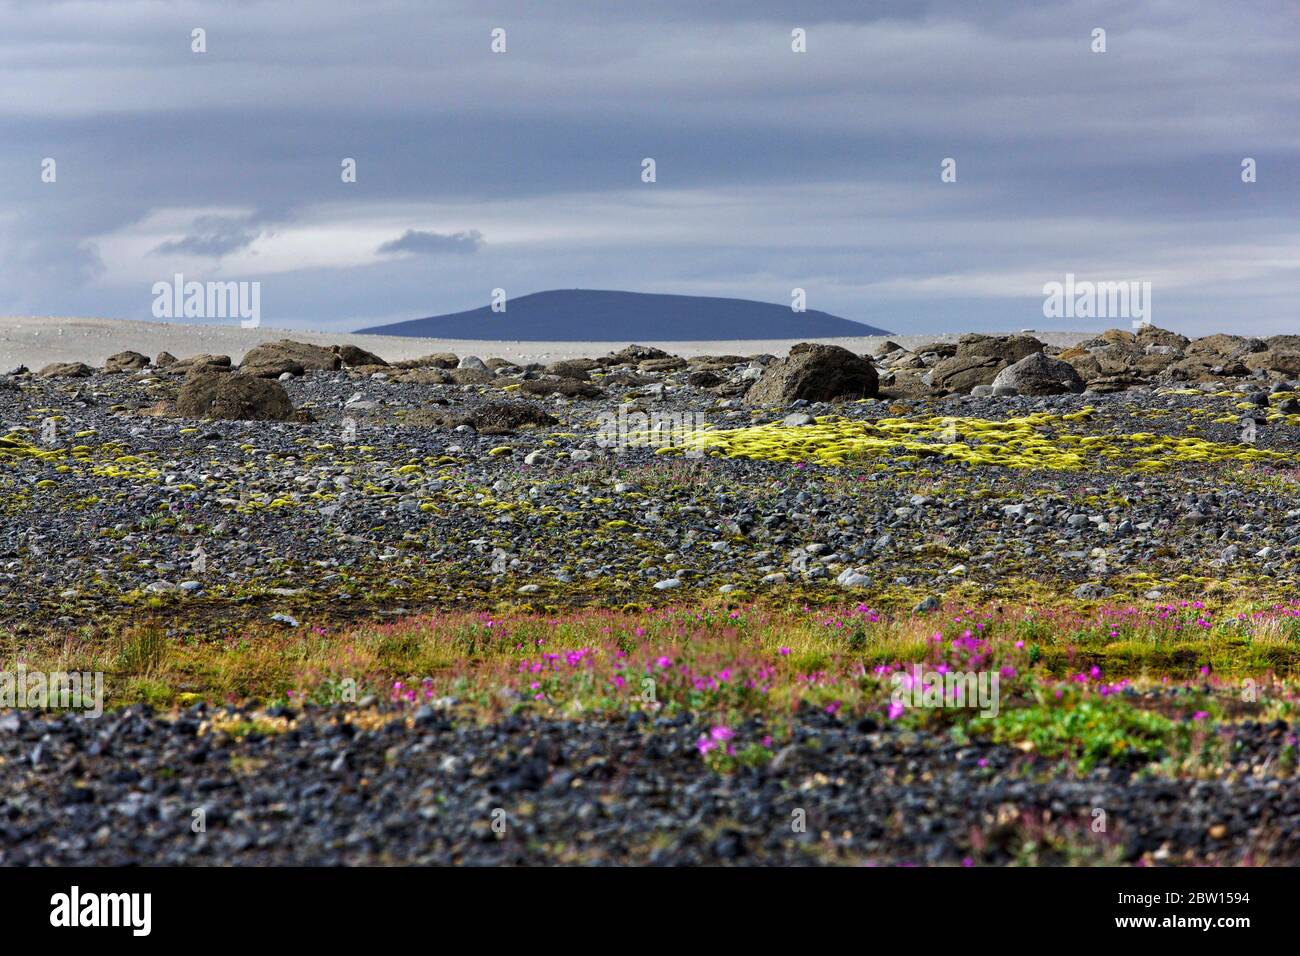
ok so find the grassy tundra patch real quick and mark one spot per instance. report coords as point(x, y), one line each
point(1129, 683)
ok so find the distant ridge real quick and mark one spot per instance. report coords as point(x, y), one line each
point(592, 315)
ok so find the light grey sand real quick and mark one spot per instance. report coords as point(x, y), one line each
point(37, 341)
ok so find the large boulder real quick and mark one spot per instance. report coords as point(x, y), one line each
point(126, 362)
point(1114, 354)
point(568, 387)
point(572, 368)
point(354, 356)
point(1110, 337)
point(436, 360)
point(1087, 365)
point(1284, 343)
point(977, 360)
point(287, 352)
point(1283, 361)
point(906, 383)
point(66, 370)
point(1205, 367)
point(704, 378)
point(498, 418)
point(941, 350)
point(909, 360)
point(1153, 363)
point(210, 394)
point(1113, 383)
point(713, 362)
point(1037, 374)
point(206, 362)
point(961, 373)
point(634, 355)
point(1152, 335)
point(470, 375)
point(424, 376)
point(1007, 348)
point(1224, 346)
point(271, 367)
point(816, 373)
point(670, 363)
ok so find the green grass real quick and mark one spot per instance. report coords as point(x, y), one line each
point(729, 663)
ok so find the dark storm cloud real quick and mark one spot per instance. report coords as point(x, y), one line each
point(775, 169)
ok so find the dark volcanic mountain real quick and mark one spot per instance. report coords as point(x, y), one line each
point(578, 315)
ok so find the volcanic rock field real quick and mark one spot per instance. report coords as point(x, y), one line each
point(640, 608)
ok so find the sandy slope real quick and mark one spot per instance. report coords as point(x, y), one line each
point(37, 341)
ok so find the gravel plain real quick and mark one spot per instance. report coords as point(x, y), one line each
point(388, 490)
point(373, 787)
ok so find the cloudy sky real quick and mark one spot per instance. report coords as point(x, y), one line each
point(774, 169)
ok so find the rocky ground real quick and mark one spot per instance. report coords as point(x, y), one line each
point(381, 787)
point(310, 487)
point(383, 490)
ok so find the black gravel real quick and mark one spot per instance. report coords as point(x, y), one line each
point(384, 787)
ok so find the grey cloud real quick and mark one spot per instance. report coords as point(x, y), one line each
point(432, 243)
point(213, 236)
point(1125, 163)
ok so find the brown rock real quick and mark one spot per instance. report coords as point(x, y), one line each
point(424, 376)
point(1283, 343)
point(634, 355)
point(1007, 348)
point(667, 364)
point(1204, 367)
point(204, 361)
point(961, 373)
point(312, 358)
point(470, 376)
point(817, 373)
point(497, 418)
point(569, 387)
point(941, 349)
point(1117, 337)
point(66, 370)
point(354, 356)
point(126, 362)
point(1151, 335)
point(436, 360)
point(715, 361)
point(1274, 360)
point(704, 378)
point(1087, 366)
point(272, 368)
point(625, 378)
point(1221, 345)
point(1155, 362)
point(572, 368)
point(1113, 383)
point(209, 394)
